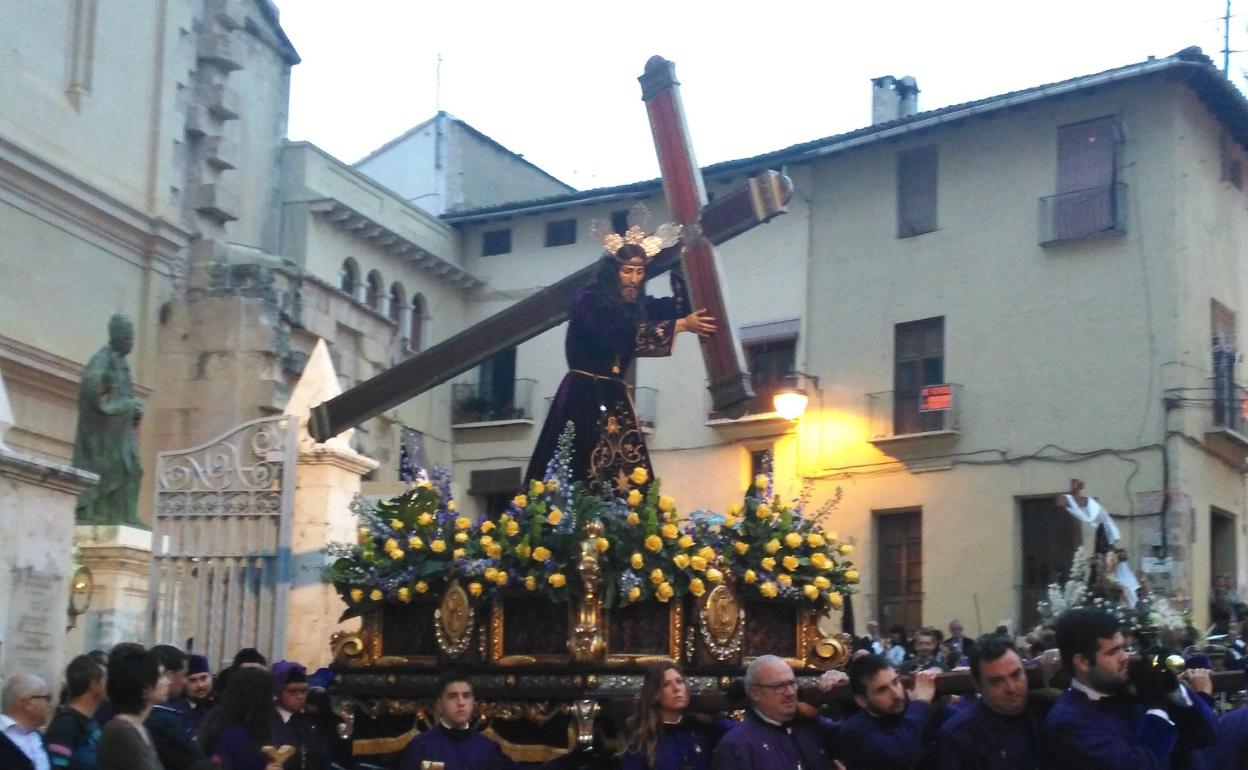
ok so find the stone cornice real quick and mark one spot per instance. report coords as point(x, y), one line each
point(41, 188)
point(351, 461)
point(42, 473)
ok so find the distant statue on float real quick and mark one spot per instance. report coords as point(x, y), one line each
point(106, 444)
point(611, 322)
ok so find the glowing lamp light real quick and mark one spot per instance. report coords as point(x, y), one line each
point(790, 403)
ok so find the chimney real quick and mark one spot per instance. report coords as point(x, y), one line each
point(907, 97)
point(883, 99)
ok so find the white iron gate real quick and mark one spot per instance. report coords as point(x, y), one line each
point(221, 542)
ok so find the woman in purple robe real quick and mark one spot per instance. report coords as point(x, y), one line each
point(664, 736)
point(613, 321)
point(241, 723)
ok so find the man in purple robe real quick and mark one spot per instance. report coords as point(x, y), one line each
point(894, 728)
point(773, 736)
point(293, 727)
point(452, 741)
point(613, 321)
point(198, 699)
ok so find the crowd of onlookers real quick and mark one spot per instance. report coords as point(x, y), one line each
point(138, 708)
point(1075, 699)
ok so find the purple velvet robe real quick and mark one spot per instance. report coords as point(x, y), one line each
point(886, 743)
point(685, 746)
point(458, 749)
point(603, 338)
point(756, 744)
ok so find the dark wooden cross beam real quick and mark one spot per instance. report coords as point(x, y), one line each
point(763, 197)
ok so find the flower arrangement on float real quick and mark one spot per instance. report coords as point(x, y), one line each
point(414, 544)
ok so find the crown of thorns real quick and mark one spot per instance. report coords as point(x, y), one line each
point(665, 235)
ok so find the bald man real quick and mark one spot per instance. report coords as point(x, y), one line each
point(24, 705)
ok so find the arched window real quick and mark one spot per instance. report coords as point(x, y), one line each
point(349, 276)
point(418, 320)
point(375, 290)
point(397, 296)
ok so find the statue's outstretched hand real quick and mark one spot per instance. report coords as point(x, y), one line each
point(697, 322)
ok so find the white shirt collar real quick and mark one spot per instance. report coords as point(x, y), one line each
point(284, 714)
point(1093, 694)
point(6, 722)
point(768, 719)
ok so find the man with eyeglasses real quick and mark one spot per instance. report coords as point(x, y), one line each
point(773, 736)
point(293, 727)
point(24, 705)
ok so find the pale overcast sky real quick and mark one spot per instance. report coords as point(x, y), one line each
point(556, 81)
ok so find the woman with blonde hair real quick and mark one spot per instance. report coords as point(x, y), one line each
point(662, 735)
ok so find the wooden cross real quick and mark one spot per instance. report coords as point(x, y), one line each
point(763, 197)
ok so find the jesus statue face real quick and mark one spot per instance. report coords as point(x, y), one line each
point(632, 275)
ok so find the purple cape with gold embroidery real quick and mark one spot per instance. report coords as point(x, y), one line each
point(604, 336)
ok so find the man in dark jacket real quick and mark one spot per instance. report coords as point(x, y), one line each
point(1097, 725)
point(174, 746)
point(73, 735)
point(772, 736)
point(1004, 729)
point(197, 699)
point(894, 728)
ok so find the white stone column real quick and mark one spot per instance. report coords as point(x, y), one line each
point(120, 560)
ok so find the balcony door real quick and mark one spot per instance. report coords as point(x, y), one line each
point(497, 382)
point(1087, 155)
point(919, 360)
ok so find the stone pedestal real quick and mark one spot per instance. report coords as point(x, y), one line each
point(328, 480)
point(120, 560)
point(37, 500)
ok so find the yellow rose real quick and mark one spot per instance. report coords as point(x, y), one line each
point(681, 560)
point(494, 550)
point(357, 595)
point(554, 517)
point(665, 503)
point(792, 540)
point(845, 549)
point(639, 476)
point(814, 540)
point(438, 546)
point(772, 546)
point(835, 600)
point(365, 535)
point(491, 573)
point(698, 563)
point(424, 519)
point(769, 563)
point(501, 578)
point(396, 554)
point(851, 575)
point(696, 587)
point(487, 526)
point(634, 498)
point(521, 501)
point(832, 536)
point(523, 550)
point(634, 593)
point(415, 543)
point(734, 509)
point(664, 592)
point(486, 541)
point(513, 528)
point(762, 511)
point(713, 575)
point(450, 505)
point(557, 580)
point(458, 553)
point(537, 488)
point(461, 537)
point(760, 481)
point(503, 518)
point(810, 592)
point(391, 544)
point(730, 522)
point(396, 524)
point(741, 547)
point(653, 543)
point(656, 576)
point(750, 576)
point(463, 522)
point(474, 588)
point(768, 590)
point(405, 594)
point(822, 583)
point(790, 562)
point(685, 541)
point(784, 579)
point(707, 552)
point(375, 594)
point(541, 553)
point(670, 531)
point(633, 518)
point(421, 587)
point(636, 561)
point(530, 583)
point(819, 560)
point(603, 545)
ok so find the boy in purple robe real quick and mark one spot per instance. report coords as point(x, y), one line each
point(452, 741)
point(613, 321)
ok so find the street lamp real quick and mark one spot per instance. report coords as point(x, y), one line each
point(791, 400)
point(80, 587)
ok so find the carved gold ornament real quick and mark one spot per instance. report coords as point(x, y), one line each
point(453, 621)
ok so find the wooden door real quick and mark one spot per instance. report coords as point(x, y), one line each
point(900, 560)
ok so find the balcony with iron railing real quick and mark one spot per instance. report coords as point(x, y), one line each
point(930, 412)
point(1080, 214)
point(476, 404)
point(1227, 431)
point(646, 400)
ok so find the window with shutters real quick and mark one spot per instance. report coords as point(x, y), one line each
point(561, 232)
point(916, 191)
